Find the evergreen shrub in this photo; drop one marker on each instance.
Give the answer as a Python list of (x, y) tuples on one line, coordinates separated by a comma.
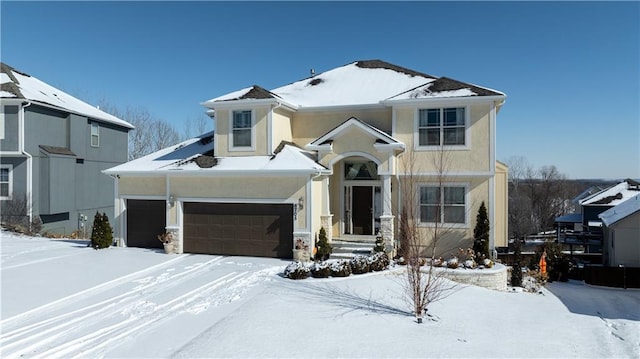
[(102, 233), (296, 270)]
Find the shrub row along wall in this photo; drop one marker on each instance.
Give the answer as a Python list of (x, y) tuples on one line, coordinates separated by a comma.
[(618, 277), (492, 278)]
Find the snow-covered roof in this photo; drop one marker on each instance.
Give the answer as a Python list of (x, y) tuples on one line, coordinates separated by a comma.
[(17, 84), (195, 156), (621, 211), (367, 82), (570, 218), (613, 195)]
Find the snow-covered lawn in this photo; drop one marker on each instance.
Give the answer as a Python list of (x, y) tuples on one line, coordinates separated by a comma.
[(62, 299)]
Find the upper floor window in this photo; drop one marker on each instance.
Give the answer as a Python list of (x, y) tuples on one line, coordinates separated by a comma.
[(442, 127), (95, 135), (242, 129), (6, 179), (445, 204)]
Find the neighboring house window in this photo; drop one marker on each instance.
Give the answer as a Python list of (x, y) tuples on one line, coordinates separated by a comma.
[(442, 127), (95, 135), (6, 181), (446, 204), (242, 129)]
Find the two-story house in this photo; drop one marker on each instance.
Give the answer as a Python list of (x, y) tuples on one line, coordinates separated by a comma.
[(327, 151), (53, 148)]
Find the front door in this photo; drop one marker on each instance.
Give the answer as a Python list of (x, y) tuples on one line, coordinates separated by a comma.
[(362, 207)]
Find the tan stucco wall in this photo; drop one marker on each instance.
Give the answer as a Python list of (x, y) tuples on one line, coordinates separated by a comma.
[(501, 202), (475, 158), (307, 126), (626, 249), (222, 130), (142, 186), (281, 128)]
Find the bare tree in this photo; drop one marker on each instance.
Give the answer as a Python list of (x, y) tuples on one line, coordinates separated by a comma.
[(150, 134), (536, 197), (420, 246), (197, 125)]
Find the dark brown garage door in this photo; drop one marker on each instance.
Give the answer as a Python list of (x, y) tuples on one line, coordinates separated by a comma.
[(145, 220), (259, 230)]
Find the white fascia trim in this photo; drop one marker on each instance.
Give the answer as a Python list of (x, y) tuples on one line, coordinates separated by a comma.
[(230, 173), (449, 174), (389, 147), (12, 154), (325, 148), (375, 133), (340, 108), (442, 101), (247, 103), (235, 200)]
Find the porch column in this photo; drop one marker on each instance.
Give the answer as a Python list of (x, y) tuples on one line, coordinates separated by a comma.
[(326, 219), (386, 220)]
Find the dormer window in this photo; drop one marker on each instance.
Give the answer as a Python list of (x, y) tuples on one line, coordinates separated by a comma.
[(242, 132)]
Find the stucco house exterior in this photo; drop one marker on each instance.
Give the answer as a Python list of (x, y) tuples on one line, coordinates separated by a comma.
[(53, 148), (326, 151), (621, 233)]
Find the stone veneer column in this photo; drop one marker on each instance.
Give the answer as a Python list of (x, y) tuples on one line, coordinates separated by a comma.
[(326, 219), (386, 220)]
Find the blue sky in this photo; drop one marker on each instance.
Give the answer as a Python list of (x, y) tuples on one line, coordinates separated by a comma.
[(570, 70)]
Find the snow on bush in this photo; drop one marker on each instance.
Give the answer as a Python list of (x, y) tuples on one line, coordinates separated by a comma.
[(453, 263), (360, 265), (320, 269), (378, 261), (341, 268), (530, 284), (296, 270)]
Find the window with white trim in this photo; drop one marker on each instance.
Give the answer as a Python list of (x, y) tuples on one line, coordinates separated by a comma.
[(242, 129), (6, 181), (442, 127), (446, 204), (95, 135)]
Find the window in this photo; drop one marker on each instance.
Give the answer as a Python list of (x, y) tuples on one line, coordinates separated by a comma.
[(446, 204), (6, 179), (95, 135), (442, 127), (242, 129)]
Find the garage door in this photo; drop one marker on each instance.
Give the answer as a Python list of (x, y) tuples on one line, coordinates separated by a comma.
[(259, 230), (145, 220)]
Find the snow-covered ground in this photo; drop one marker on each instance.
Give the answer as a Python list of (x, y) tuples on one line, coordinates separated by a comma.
[(62, 299)]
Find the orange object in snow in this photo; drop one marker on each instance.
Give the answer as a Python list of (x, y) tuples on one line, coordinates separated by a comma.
[(543, 263)]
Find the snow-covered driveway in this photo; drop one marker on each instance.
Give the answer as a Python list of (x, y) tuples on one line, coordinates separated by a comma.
[(53, 310)]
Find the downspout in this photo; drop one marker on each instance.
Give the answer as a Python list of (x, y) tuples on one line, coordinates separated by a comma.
[(29, 163)]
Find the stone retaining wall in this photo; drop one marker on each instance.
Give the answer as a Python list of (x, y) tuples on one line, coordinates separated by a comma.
[(492, 278)]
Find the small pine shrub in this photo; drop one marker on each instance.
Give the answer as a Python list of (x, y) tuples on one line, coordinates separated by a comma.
[(102, 233), (320, 270), (296, 270), (323, 246), (341, 268), (379, 247), (378, 261), (481, 233), (360, 265)]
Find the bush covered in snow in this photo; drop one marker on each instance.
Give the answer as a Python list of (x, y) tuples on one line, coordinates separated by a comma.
[(296, 270), (453, 263), (341, 268), (360, 265), (378, 261), (320, 270)]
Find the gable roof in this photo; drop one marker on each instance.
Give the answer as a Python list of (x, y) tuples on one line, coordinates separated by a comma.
[(382, 139), (195, 156), (613, 195), (19, 85), (368, 82), (621, 211)]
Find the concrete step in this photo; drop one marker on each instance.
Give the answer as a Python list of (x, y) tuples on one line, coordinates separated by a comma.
[(346, 248)]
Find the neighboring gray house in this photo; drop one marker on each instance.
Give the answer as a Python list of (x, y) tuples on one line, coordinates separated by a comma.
[(621, 244), (53, 148)]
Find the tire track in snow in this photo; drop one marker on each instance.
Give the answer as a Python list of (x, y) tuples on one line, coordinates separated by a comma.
[(100, 287), (28, 338), (85, 345)]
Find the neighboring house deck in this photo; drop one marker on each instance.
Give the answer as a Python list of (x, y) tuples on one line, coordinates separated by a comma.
[(53, 148), (327, 151)]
